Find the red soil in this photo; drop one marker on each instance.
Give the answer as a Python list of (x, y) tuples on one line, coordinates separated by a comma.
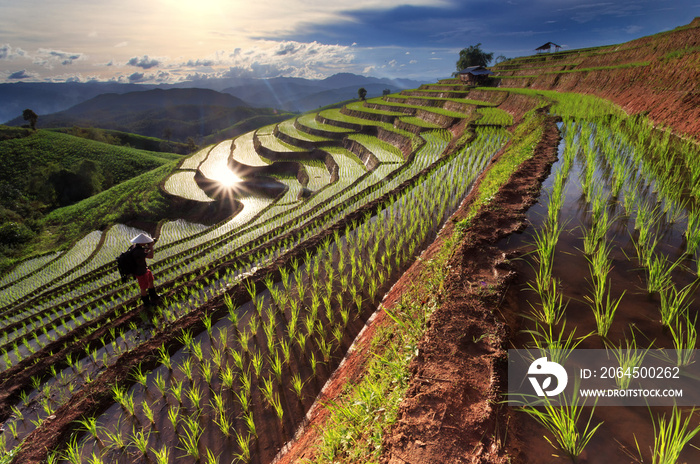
[(666, 89)]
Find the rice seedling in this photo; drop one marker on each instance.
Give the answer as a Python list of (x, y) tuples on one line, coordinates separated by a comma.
[(148, 413), (243, 443), (250, 424), (176, 390), (162, 456), (673, 302), (298, 386), (628, 358), (267, 389), (72, 451), (257, 362), (139, 440), (553, 342), (189, 440), (195, 396), (174, 417), (659, 273), (562, 421), (670, 436), (90, 426), (685, 338)]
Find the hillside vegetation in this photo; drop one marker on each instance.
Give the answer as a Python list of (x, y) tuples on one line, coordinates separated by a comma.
[(658, 75), (44, 170)]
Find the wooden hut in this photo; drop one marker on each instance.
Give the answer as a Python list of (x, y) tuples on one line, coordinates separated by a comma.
[(474, 75), (548, 47)]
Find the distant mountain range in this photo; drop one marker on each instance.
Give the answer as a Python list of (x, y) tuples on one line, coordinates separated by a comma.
[(172, 114), (283, 93)]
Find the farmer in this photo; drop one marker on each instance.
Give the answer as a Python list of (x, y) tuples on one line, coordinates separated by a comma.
[(142, 249)]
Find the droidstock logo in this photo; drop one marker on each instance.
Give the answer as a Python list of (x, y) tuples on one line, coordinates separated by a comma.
[(541, 368)]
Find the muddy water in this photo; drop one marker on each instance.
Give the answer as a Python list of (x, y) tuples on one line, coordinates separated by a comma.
[(626, 432)]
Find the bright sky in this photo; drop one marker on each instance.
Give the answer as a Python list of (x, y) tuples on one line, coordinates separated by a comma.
[(174, 40)]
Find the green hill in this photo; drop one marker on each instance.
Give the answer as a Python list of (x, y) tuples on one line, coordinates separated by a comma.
[(44, 170)]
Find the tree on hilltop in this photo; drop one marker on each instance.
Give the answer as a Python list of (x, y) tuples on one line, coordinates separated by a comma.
[(30, 116), (473, 56), (362, 93)]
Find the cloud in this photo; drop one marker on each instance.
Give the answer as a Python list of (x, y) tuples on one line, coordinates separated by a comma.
[(632, 29), (121, 44), (199, 63), (137, 77), (7, 53), (145, 62), (23, 74), (45, 57)]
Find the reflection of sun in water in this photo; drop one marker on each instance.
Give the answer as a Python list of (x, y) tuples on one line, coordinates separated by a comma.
[(227, 178)]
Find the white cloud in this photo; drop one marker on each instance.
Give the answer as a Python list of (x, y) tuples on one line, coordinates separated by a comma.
[(8, 53)]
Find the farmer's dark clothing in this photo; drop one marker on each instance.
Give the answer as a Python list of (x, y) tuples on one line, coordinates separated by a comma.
[(140, 253)]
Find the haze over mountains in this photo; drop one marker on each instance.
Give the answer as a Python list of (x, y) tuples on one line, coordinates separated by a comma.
[(288, 94)]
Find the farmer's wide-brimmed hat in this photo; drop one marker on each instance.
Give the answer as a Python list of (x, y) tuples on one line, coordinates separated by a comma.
[(141, 239)]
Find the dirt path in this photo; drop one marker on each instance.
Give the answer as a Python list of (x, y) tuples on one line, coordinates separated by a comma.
[(449, 413)]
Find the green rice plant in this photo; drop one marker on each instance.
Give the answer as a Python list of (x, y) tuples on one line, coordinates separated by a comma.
[(671, 436), (659, 273), (186, 369), (237, 358), (628, 358), (562, 421), (148, 413), (673, 302), (257, 361), (206, 371), (115, 439), (276, 366), (162, 455), (196, 351), (173, 417), (685, 338), (164, 358), (18, 413), (139, 439), (277, 406), (298, 386), (692, 233), (140, 377), (243, 398), (189, 440), (250, 424), (243, 443), (195, 397), (72, 451), (90, 426), (211, 458), (267, 389), (94, 459), (246, 383), (226, 376), (604, 311), (176, 390), (552, 306), (552, 341)]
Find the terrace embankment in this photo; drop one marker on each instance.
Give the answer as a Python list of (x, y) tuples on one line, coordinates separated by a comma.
[(656, 75)]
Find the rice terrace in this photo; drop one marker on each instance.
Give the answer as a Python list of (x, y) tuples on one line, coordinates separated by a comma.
[(342, 285)]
